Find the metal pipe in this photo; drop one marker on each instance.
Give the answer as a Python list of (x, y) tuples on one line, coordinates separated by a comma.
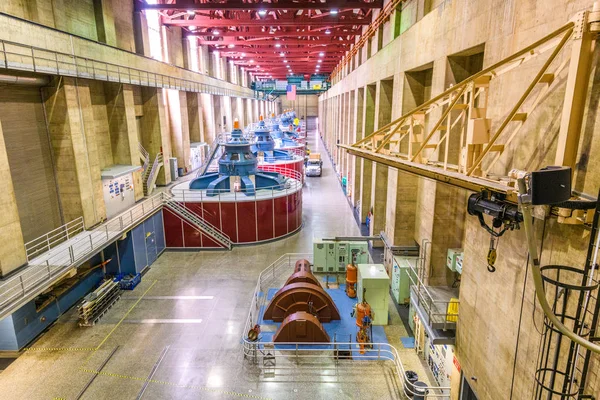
[(24, 80), (537, 274)]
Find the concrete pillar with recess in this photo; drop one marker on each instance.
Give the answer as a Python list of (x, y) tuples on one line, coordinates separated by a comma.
[(12, 251), (179, 127), (71, 125), (120, 108), (155, 130), (195, 116)]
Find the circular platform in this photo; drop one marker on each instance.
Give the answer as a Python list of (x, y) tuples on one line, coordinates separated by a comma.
[(267, 215)]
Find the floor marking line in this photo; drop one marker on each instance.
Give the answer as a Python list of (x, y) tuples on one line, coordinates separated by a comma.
[(89, 383), (179, 385), (60, 349), (164, 321), (125, 316), (152, 372)]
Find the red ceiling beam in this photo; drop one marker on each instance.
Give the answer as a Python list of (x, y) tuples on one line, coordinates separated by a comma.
[(281, 34), (267, 42), (295, 22), (239, 5)]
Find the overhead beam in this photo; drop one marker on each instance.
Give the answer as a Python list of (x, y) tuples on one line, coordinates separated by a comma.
[(438, 174), (258, 32), (268, 42), (219, 23), (280, 5)]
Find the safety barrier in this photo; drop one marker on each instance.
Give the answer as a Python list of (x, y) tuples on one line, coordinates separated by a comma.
[(258, 352), (53, 238), (24, 57)]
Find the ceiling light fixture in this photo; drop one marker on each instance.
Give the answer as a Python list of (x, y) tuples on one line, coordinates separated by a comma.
[(328, 32), (277, 45), (318, 61), (231, 46), (281, 54), (191, 12), (243, 54), (321, 54), (285, 61), (251, 61), (216, 32), (262, 12), (333, 12)]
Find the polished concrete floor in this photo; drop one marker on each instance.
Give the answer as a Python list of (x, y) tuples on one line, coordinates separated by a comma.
[(177, 335)]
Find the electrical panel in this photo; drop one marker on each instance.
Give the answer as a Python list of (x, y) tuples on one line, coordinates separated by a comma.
[(400, 278), (459, 263), (332, 257), (374, 284), (451, 258), (440, 361), (118, 194)]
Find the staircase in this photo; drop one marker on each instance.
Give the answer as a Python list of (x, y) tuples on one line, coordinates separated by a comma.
[(212, 152), (150, 174), (144, 156), (197, 222)]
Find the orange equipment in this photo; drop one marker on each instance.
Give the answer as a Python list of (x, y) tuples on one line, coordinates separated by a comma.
[(351, 279), (364, 318), (362, 309)]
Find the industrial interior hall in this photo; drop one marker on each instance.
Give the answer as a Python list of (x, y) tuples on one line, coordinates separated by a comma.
[(300, 199)]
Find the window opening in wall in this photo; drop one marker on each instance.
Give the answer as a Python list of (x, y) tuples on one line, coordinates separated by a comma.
[(417, 87), (464, 64), (380, 37)]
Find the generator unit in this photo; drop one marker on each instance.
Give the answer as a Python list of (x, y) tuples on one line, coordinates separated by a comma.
[(451, 259), (332, 256)]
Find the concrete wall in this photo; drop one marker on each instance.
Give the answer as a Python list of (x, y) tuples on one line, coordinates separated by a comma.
[(497, 342), (304, 105)]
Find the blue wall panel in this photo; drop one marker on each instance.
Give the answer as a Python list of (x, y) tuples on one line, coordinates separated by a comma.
[(8, 338), (126, 255), (159, 232), (110, 252), (139, 247)]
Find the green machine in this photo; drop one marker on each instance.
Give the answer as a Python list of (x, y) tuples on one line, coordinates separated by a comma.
[(374, 284), (332, 256), (404, 268)]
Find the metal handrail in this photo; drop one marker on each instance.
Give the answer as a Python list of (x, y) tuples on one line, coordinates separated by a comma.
[(23, 57), (146, 156), (147, 180), (275, 274), (202, 224), (49, 267), (53, 238), (293, 183), (433, 308)]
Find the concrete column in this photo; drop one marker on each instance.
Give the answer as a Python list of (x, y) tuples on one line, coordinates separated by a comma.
[(195, 117), (208, 117), (120, 108), (366, 176), (358, 106), (105, 22), (218, 114), (179, 127), (12, 251), (140, 32), (70, 122), (155, 130), (379, 191)]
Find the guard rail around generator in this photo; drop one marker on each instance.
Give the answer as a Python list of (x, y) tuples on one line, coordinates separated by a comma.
[(292, 184), (274, 276)]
